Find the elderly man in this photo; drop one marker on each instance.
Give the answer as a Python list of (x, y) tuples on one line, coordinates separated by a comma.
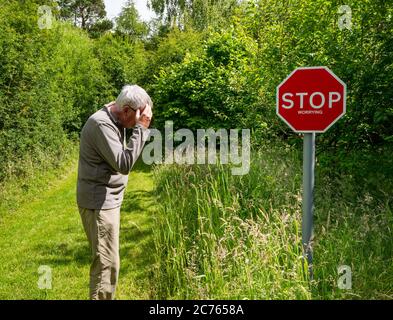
[(105, 159)]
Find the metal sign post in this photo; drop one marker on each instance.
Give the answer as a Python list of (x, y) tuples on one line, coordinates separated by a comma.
[(310, 100), (308, 197)]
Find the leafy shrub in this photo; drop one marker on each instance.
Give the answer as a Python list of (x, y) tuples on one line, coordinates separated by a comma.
[(123, 61), (50, 82), (211, 88)]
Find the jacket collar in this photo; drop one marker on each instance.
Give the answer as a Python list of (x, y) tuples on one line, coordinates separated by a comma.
[(111, 115)]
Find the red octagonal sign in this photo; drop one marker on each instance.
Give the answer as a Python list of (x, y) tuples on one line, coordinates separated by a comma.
[(311, 99)]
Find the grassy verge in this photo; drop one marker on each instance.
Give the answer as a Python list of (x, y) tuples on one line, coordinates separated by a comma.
[(221, 236), (35, 178), (353, 225), (231, 237)]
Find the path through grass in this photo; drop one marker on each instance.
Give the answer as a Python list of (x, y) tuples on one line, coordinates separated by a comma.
[(48, 231)]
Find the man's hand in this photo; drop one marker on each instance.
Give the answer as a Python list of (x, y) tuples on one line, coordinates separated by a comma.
[(144, 118)]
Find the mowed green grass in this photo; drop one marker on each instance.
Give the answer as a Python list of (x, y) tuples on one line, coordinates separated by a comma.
[(47, 231)]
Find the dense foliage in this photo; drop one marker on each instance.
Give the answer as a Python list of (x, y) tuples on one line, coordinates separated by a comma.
[(236, 76), (222, 76), (50, 80)]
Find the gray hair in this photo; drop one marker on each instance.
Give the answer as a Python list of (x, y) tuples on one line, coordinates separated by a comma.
[(133, 96)]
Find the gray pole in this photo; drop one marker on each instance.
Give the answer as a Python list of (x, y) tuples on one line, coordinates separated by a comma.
[(308, 197)]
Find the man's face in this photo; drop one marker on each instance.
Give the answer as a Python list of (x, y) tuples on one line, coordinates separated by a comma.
[(128, 117)]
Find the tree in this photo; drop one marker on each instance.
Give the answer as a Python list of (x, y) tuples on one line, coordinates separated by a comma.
[(197, 13), (84, 13), (100, 27), (128, 22), (170, 10)]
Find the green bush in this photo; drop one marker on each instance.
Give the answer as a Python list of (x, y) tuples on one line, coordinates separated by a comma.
[(210, 88), (306, 33), (123, 61), (240, 67), (50, 82)]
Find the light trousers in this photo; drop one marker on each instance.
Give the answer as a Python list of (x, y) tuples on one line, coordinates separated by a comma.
[(102, 228)]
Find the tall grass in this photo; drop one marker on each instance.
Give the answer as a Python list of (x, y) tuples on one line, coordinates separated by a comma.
[(220, 236), (224, 236), (354, 223)]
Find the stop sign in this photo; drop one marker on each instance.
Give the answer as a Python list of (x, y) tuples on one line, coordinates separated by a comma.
[(311, 99)]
